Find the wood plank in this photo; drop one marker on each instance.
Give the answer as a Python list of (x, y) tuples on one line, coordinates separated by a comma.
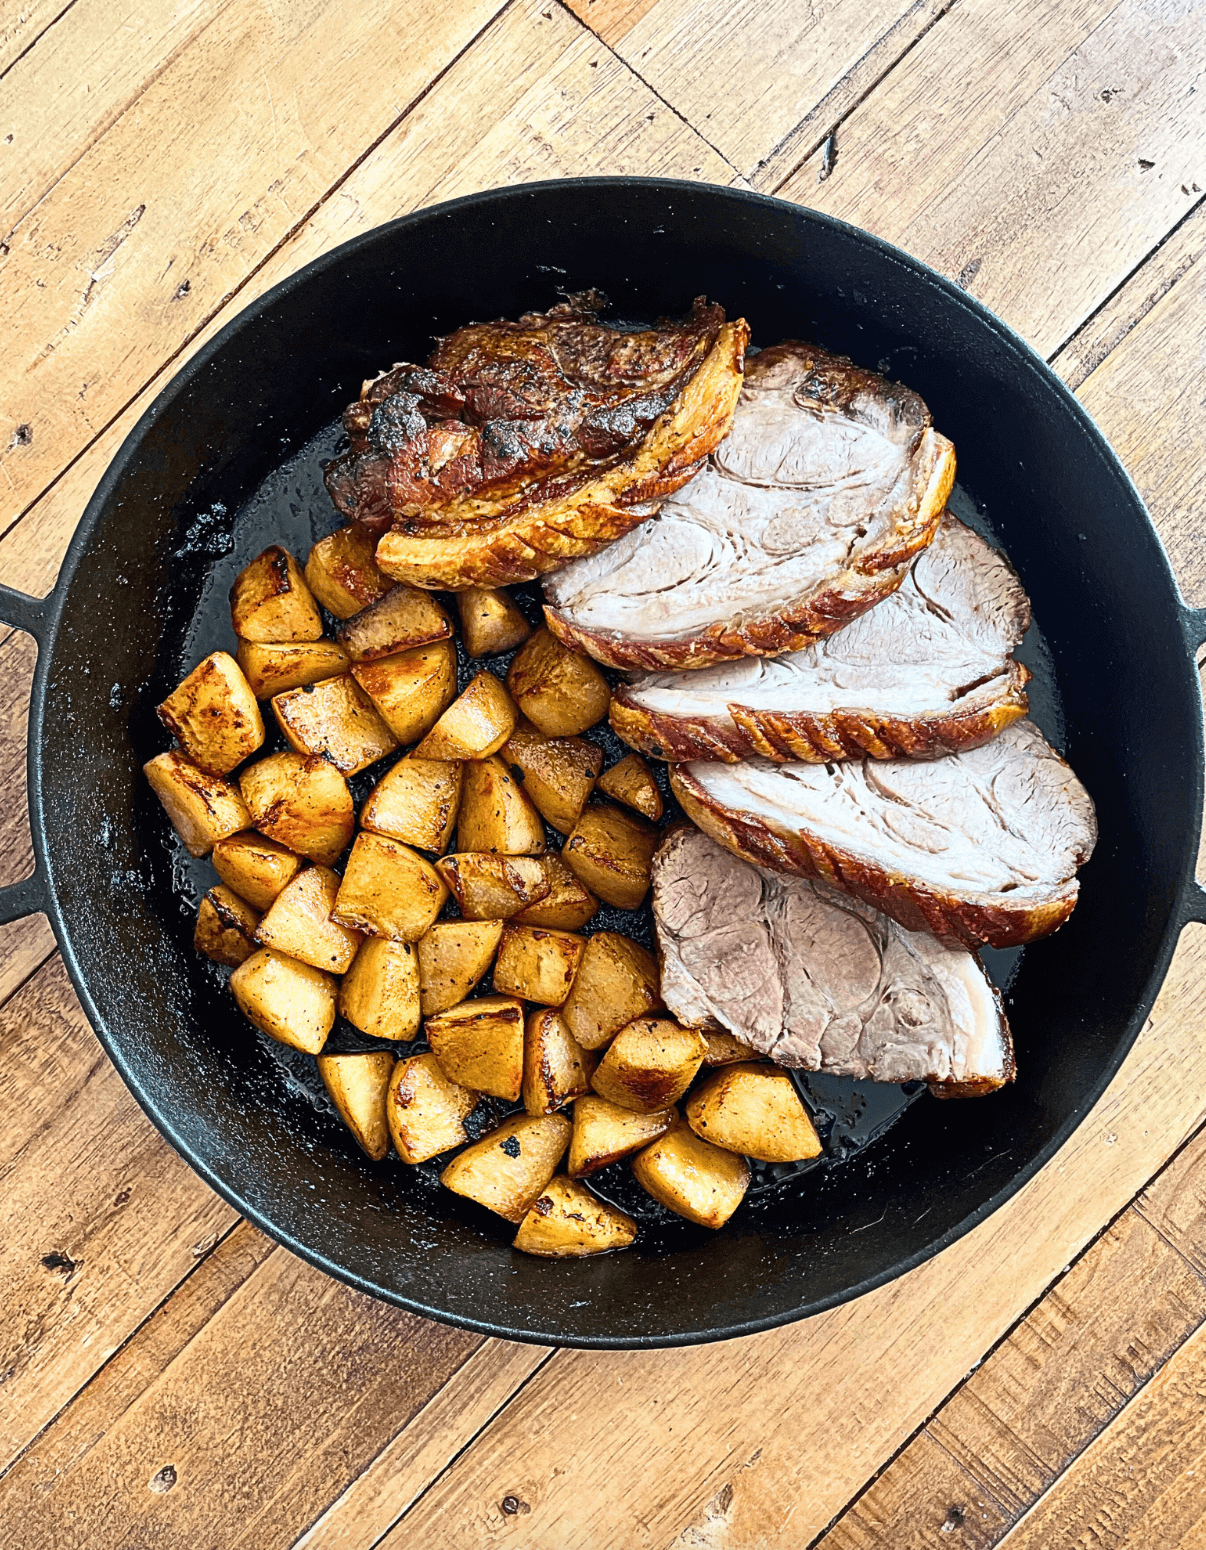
[(49, 1053), (18, 653), (24, 946), (21, 26), (1175, 1203)]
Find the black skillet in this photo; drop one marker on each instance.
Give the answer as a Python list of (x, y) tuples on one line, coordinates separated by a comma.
[(142, 585)]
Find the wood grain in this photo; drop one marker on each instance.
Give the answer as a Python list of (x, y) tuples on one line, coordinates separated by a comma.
[(24, 946), (18, 653), (1175, 1203), (22, 25)]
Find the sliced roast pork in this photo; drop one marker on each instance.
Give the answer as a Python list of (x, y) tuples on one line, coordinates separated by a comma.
[(828, 484), (982, 846), (818, 980), (926, 672)]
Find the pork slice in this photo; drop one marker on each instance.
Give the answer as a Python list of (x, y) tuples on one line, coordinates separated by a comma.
[(982, 846), (829, 482), (827, 983)]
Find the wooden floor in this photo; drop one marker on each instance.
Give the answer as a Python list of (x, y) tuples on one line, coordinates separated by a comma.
[(170, 1378)]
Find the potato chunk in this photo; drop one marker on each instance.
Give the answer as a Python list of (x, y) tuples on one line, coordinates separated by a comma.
[(649, 1064), (271, 669), (495, 814), (403, 619), (357, 1085), (617, 982), (412, 690), (389, 890), (203, 808), (555, 1066), (567, 905), (424, 1110), (336, 719), (567, 1221), (560, 692), (537, 965), (225, 928), (213, 715), (507, 1169), (270, 600), (380, 992), (754, 1109), (453, 956), (490, 622), (286, 999), (480, 1045), (416, 801), (302, 803), (255, 867), (631, 782), (475, 725), (611, 853), (700, 1181), (604, 1133), (725, 1048), (489, 887), (342, 573), (558, 773), (299, 923)]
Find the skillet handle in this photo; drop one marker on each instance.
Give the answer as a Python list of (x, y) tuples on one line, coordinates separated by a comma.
[(28, 614)]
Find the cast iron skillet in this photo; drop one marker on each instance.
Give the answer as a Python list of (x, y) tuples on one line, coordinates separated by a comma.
[(112, 635)]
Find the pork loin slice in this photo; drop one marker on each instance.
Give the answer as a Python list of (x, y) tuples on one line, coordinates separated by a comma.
[(982, 846), (828, 484), (819, 980), (926, 672)]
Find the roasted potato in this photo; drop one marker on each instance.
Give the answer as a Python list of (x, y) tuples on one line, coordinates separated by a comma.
[(555, 1066), (475, 725), (558, 773), (271, 602), (380, 992), (560, 692), (271, 669), (286, 999), (480, 1045), (337, 719), (566, 1220), (604, 1133), (490, 622), (700, 1181), (725, 1048), (649, 1064), (213, 715), (416, 801), (756, 1110), (495, 815), (403, 619), (631, 782), (617, 982), (225, 928), (453, 956), (489, 887), (302, 803), (507, 1169), (298, 923), (412, 690), (203, 808), (255, 867), (567, 905), (388, 890), (425, 1111), (357, 1085), (342, 571), (611, 853), (537, 965)]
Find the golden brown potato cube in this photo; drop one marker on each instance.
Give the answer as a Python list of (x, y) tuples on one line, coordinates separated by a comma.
[(754, 1109), (403, 619), (611, 853), (342, 571), (649, 1064), (255, 867), (357, 1085), (453, 956), (631, 782), (425, 1111), (489, 887), (558, 773), (536, 964), (567, 1221), (490, 622), (270, 600), (495, 815), (700, 1181), (203, 808), (555, 1066), (389, 890), (507, 1169), (411, 690), (299, 924), (225, 928), (617, 982), (725, 1048), (416, 801), (604, 1133), (285, 999), (213, 715), (271, 669), (380, 992), (560, 692), (475, 725), (302, 803), (480, 1045), (566, 907), (337, 719)]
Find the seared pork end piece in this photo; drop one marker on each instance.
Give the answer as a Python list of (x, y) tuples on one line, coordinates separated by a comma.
[(981, 847), (800, 972), (811, 509)]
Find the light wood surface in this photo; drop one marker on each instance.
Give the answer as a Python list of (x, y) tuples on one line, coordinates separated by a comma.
[(168, 1376)]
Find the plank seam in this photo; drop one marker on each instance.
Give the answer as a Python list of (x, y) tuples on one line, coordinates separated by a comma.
[(54, 20), (37, 969)]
